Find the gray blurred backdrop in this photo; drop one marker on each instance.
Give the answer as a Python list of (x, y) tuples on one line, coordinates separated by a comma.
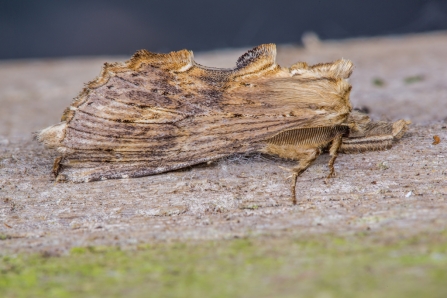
[(55, 28)]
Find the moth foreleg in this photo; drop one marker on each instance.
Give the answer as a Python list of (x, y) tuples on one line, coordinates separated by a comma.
[(333, 152), (57, 166), (305, 144), (306, 158)]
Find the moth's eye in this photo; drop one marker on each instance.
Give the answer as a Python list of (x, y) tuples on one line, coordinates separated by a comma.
[(313, 107)]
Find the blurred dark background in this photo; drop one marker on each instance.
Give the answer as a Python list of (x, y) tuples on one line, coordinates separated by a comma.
[(54, 28)]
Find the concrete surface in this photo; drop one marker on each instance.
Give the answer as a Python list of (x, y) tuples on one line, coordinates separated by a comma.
[(400, 191)]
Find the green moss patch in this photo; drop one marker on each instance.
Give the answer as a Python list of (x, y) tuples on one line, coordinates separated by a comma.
[(283, 266)]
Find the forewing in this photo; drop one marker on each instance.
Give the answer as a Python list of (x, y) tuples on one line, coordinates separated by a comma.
[(160, 112)]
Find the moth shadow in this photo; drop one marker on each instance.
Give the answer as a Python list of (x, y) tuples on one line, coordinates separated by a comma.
[(252, 158)]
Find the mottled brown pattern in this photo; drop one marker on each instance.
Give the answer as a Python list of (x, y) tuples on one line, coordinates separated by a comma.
[(161, 112)]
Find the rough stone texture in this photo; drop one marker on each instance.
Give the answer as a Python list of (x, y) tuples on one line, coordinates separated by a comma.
[(401, 191)]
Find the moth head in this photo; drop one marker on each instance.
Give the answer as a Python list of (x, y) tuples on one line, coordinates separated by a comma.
[(356, 121)]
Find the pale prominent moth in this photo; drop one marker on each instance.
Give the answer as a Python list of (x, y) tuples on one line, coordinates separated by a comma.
[(161, 112)]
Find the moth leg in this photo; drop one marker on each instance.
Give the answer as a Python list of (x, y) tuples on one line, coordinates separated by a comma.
[(333, 152), (306, 160), (57, 166), (305, 145)]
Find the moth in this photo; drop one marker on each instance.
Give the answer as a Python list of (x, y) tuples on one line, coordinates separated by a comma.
[(161, 112)]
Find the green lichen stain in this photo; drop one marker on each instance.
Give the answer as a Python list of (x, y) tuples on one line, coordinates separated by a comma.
[(414, 79), (378, 82), (361, 265), (4, 237)]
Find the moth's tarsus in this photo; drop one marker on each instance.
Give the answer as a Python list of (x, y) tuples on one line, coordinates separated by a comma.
[(306, 158), (57, 166), (333, 151), (161, 112)]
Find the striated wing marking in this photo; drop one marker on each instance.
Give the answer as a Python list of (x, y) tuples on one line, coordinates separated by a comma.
[(307, 136), (124, 137), (119, 112), (249, 127), (109, 128), (80, 136), (82, 140), (95, 125)]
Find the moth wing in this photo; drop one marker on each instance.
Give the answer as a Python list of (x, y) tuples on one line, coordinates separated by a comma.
[(149, 115), (160, 112)]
